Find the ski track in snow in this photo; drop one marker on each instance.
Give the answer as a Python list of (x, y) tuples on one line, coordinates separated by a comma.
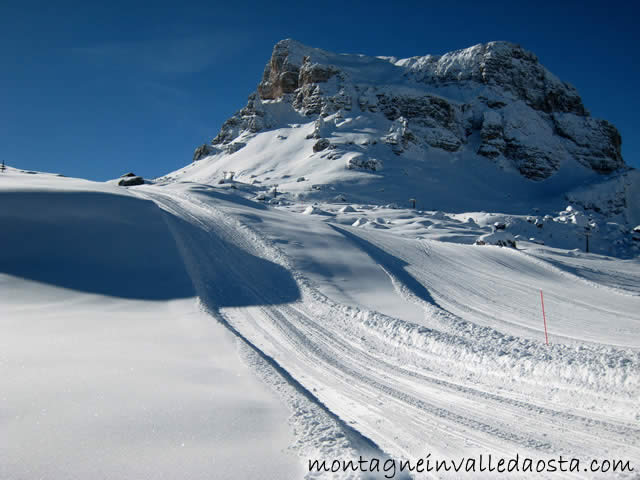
[(471, 378)]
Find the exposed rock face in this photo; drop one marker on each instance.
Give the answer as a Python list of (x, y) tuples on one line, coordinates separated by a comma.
[(399, 135), (280, 75), (594, 142), (251, 119), (202, 151), (315, 73), (321, 144), (492, 134), (611, 197), (438, 121), (364, 163), (492, 101), (504, 65)]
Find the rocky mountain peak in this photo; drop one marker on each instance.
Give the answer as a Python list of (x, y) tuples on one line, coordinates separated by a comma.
[(503, 65), (491, 103), (292, 66)]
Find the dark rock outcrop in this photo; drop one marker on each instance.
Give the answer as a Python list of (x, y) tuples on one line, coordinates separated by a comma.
[(594, 143), (321, 144), (202, 151), (131, 181), (364, 163)]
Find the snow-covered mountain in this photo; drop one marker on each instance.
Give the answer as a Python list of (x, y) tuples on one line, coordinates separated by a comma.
[(487, 127)]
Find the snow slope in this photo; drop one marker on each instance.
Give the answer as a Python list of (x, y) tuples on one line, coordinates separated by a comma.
[(421, 344), (108, 366), (104, 387), (377, 339)]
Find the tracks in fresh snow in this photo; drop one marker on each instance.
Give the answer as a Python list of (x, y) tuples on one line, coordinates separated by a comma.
[(448, 386)]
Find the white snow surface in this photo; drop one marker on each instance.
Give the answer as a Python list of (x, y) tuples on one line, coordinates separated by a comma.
[(182, 330), (109, 367)]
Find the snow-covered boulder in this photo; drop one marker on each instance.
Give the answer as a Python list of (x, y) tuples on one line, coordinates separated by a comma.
[(347, 209), (499, 226), (131, 181), (500, 238), (313, 210)]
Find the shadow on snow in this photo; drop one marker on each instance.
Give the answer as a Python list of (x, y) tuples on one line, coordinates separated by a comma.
[(393, 265), (120, 246)]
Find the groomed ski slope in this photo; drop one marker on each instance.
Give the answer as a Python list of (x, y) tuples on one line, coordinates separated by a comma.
[(374, 344), (421, 346)]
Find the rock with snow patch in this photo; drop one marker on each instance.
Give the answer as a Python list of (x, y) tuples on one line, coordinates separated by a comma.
[(321, 144), (131, 181), (313, 210), (499, 226), (500, 238), (202, 151), (364, 163)]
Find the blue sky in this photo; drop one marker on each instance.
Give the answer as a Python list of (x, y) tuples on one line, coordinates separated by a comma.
[(95, 89)]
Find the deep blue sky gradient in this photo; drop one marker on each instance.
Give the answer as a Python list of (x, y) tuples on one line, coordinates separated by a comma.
[(95, 89)]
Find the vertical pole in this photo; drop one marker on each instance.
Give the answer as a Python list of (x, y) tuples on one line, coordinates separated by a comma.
[(587, 235), (544, 319)]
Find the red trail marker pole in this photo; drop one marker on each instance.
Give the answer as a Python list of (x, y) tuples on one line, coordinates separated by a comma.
[(544, 319)]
